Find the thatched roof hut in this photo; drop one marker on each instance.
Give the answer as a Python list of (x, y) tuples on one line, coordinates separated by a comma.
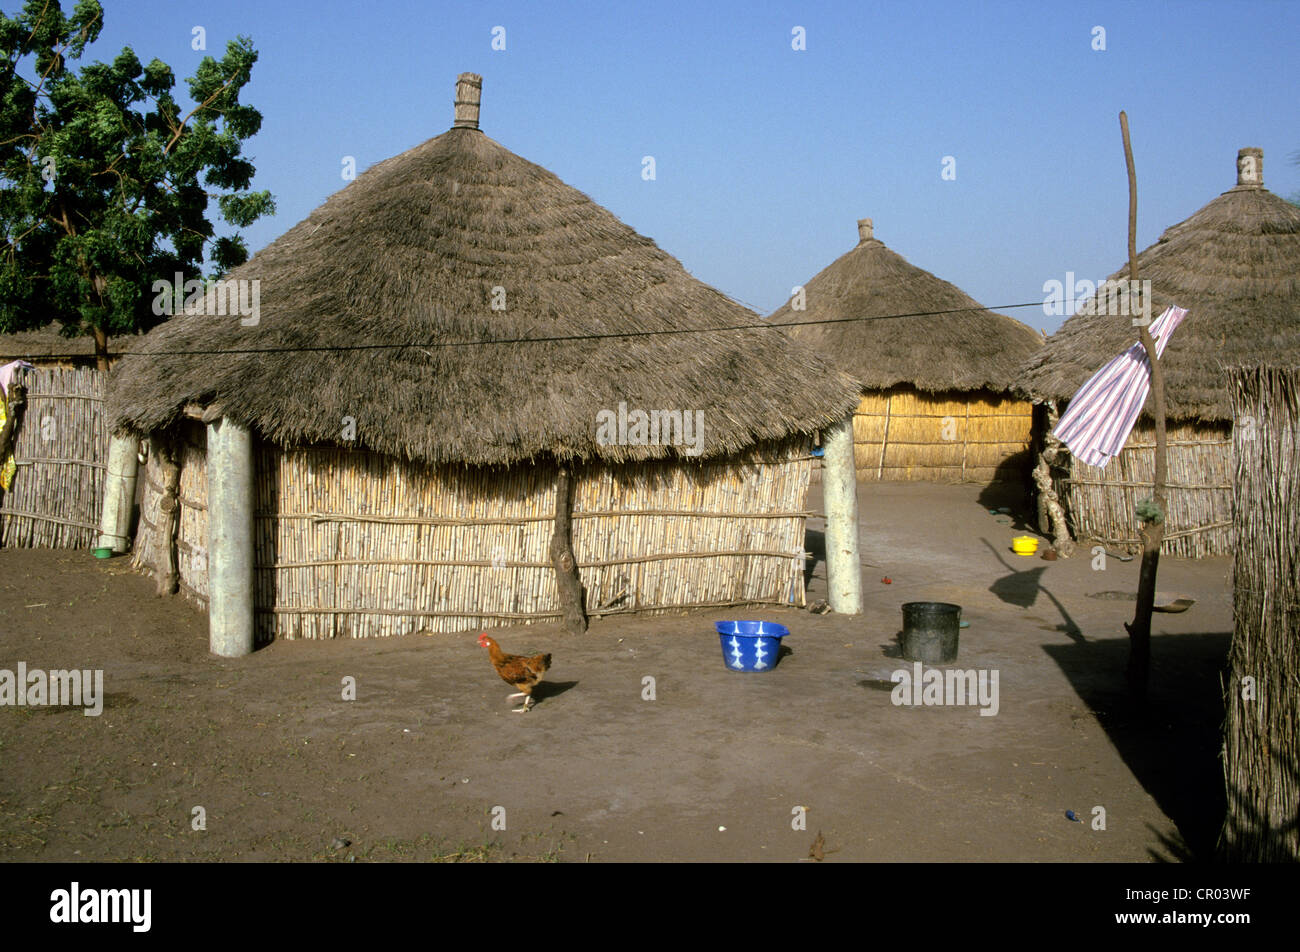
[(1235, 266), (935, 403), (430, 342), (392, 281)]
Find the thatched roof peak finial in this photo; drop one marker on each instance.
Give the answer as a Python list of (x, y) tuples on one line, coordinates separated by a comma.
[(469, 91), (864, 230), (1250, 167)]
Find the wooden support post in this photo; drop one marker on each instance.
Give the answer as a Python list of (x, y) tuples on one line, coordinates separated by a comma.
[(169, 506), (119, 493), (568, 583), (884, 439), (1153, 530), (1051, 517), (230, 539), (840, 496)]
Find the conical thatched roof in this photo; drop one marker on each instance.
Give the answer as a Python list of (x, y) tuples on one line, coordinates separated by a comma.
[(410, 253), (968, 349), (1235, 266)]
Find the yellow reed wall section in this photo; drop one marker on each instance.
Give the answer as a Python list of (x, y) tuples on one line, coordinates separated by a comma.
[(1199, 494), (62, 456), (350, 544), (903, 434)]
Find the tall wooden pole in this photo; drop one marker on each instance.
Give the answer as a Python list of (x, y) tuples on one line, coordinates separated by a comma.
[(1051, 517), (568, 583), (1153, 530), (840, 495), (167, 455), (230, 539)]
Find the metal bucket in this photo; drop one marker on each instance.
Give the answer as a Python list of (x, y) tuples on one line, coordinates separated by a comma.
[(930, 631)]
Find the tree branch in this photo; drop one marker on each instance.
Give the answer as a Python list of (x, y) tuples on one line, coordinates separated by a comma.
[(203, 105)]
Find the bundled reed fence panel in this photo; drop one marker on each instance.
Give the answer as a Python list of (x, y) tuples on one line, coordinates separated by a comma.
[(1261, 747), (61, 454), (353, 544), (906, 434), (667, 535), (1100, 502)]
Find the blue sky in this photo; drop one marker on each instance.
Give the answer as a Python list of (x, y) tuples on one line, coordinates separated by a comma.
[(766, 156)]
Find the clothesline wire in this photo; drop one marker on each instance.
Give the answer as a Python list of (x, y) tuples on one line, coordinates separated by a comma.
[(562, 338)]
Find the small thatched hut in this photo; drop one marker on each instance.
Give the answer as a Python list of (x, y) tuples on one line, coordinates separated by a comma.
[(1261, 733), (936, 403), (1235, 267), (439, 346), (60, 445)]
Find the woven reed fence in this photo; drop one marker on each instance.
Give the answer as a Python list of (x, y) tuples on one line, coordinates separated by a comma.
[(1261, 746), (903, 434), (351, 544), (1099, 502), (62, 454)]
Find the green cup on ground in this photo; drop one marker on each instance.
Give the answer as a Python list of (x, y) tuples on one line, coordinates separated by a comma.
[(103, 553)]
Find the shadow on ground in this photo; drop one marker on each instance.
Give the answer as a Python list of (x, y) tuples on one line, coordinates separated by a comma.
[(1173, 745), (814, 541), (1021, 587)]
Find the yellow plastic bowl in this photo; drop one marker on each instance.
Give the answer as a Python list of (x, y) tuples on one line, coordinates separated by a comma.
[(1024, 545)]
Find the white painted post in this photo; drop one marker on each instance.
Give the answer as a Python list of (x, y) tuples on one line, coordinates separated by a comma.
[(230, 539), (119, 493), (840, 494)]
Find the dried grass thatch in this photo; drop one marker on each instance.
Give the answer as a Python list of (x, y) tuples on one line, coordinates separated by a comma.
[(1261, 756), (410, 253), (968, 349), (1235, 266)]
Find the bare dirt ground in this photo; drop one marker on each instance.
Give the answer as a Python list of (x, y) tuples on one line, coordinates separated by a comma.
[(711, 769)]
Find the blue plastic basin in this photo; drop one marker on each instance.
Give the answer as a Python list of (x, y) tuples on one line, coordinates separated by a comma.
[(750, 645)]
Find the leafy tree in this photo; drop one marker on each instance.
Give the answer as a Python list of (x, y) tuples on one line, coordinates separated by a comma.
[(106, 180)]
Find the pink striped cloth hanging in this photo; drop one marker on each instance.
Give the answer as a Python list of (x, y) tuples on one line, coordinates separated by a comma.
[(1099, 419)]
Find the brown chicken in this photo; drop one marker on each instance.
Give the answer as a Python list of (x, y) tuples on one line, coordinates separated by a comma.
[(518, 671)]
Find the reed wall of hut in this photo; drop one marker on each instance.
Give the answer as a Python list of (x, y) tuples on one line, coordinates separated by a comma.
[(61, 456), (1099, 503), (355, 544), (950, 437), (1261, 754)]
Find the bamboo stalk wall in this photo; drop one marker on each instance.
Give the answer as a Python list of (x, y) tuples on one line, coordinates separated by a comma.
[(352, 544), (1261, 747), (904, 434), (1099, 502), (62, 456)]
